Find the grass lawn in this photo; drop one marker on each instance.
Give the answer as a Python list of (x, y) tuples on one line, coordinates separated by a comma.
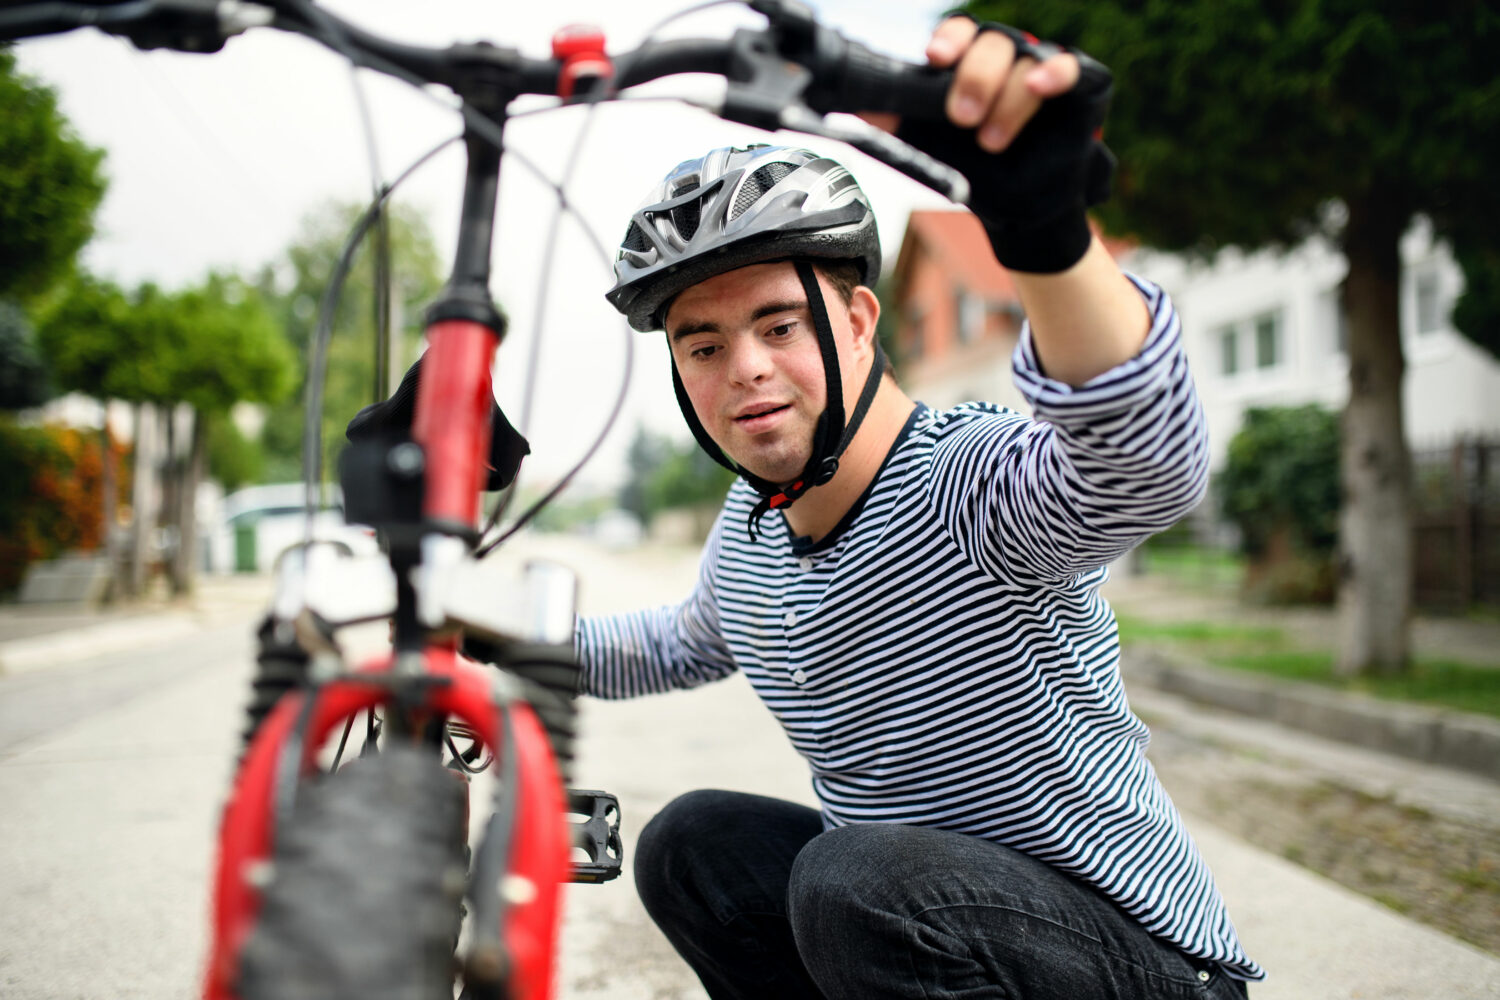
[(1266, 650), (1195, 565)]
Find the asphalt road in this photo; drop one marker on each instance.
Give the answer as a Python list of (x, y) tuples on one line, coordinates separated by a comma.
[(112, 771)]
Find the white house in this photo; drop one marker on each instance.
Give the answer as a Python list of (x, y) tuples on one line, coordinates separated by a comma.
[(1261, 329), (1265, 329)]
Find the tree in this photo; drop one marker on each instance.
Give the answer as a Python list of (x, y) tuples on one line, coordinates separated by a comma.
[(646, 454), (1241, 123), (24, 381), (664, 474), (219, 345), (294, 293), (233, 459), (206, 347), (51, 183), (91, 346)]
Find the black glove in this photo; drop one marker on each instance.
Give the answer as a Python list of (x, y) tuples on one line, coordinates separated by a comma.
[(393, 418), (1032, 196)]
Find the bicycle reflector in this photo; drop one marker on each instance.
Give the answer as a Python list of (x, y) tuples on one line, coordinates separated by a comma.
[(581, 49)]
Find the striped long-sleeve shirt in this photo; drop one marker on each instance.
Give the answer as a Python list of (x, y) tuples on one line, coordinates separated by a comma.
[(943, 658)]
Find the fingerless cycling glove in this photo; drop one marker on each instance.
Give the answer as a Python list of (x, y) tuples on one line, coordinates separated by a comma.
[(1032, 196)]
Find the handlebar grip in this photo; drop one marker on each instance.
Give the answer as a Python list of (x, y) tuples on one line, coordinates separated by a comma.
[(871, 81)]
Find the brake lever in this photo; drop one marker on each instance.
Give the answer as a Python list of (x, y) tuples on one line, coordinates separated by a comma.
[(881, 145), (768, 90)]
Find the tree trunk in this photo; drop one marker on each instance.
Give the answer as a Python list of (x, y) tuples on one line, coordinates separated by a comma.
[(171, 489), (142, 480), (108, 489), (1375, 523), (184, 560)]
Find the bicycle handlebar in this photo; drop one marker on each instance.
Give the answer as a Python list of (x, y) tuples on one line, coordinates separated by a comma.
[(787, 75)]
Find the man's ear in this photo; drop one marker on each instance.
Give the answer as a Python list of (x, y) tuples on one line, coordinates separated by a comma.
[(864, 315)]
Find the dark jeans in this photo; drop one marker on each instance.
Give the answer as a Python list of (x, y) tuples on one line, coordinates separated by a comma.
[(763, 904)]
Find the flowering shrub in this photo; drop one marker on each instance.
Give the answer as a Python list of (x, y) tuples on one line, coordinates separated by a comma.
[(51, 495)]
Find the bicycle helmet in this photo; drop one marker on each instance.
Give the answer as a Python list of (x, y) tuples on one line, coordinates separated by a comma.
[(735, 207)]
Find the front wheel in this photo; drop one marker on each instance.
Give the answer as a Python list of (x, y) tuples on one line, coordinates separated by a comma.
[(367, 878)]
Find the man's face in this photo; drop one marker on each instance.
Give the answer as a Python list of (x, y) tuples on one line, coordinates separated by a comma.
[(748, 355)]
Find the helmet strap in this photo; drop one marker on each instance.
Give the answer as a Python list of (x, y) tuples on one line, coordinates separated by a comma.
[(830, 437)]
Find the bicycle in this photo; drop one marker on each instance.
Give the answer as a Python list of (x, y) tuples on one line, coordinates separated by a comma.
[(353, 883)]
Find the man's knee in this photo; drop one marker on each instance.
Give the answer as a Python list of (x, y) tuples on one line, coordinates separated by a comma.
[(848, 873)]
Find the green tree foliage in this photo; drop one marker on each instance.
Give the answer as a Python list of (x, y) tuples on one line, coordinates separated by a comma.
[(1280, 486), (51, 183), (1281, 477), (234, 460), (24, 381), (665, 474), (209, 346), (94, 343), (646, 454), (1237, 122), (220, 345), (295, 289)]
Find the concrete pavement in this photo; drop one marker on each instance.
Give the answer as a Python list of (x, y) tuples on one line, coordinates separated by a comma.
[(1317, 939)]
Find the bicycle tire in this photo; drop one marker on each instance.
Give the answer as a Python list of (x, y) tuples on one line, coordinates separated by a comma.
[(366, 887)]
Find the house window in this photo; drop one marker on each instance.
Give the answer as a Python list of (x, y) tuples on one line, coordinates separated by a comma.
[(1268, 341), (1430, 318), (1229, 351), (1255, 344)]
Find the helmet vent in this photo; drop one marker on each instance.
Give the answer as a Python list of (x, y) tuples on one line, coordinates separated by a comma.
[(758, 184), (685, 218), (636, 240)]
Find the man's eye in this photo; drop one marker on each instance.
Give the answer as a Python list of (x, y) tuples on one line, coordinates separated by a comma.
[(782, 330), (704, 352)]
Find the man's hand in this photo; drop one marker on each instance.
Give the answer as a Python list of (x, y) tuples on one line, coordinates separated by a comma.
[(1023, 126), (994, 91)]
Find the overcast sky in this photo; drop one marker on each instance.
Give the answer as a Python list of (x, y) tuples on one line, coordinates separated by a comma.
[(214, 160)]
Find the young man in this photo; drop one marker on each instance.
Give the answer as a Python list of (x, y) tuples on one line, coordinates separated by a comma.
[(914, 593)]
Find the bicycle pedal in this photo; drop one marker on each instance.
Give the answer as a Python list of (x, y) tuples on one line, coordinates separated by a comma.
[(597, 835)]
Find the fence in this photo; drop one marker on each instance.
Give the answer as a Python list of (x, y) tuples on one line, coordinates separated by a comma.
[(1456, 525)]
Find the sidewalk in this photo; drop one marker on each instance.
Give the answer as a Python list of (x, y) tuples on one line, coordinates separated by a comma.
[(38, 636)]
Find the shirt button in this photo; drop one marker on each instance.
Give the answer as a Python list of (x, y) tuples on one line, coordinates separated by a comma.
[(805, 563), (799, 676), (789, 619)]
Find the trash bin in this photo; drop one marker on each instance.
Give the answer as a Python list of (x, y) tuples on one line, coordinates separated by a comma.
[(244, 546)]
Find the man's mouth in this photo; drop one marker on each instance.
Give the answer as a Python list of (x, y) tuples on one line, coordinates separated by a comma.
[(761, 411)]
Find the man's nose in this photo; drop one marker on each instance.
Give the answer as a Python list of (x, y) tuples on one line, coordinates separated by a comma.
[(749, 362)]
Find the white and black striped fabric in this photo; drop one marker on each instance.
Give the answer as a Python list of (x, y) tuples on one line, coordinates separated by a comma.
[(944, 658)]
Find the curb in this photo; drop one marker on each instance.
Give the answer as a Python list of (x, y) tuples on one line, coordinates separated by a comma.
[(1445, 737)]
